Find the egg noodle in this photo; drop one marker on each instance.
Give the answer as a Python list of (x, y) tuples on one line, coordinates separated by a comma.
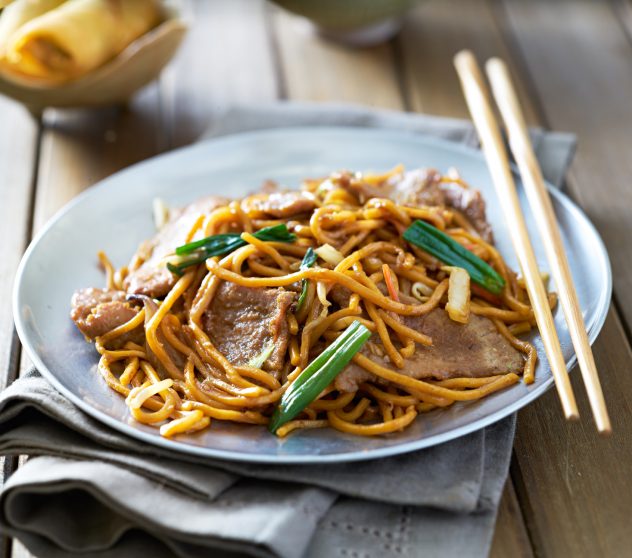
[(366, 239)]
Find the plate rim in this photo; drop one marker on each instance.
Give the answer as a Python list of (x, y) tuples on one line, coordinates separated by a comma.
[(603, 305)]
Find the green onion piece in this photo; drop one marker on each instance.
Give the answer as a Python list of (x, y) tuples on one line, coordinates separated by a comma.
[(215, 242), (319, 374), (275, 233), (308, 261), (259, 360), (177, 264), (174, 269), (198, 251), (450, 252)]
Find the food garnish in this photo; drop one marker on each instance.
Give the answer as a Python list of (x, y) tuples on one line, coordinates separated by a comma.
[(308, 261), (199, 251), (450, 252), (319, 374)]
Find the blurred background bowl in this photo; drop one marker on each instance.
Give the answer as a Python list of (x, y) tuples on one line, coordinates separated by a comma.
[(354, 22), (114, 82)]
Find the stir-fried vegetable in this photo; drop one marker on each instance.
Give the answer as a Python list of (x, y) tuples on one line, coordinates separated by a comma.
[(328, 253), (160, 212), (308, 261), (197, 252), (485, 295), (458, 306), (450, 252), (319, 374), (391, 282), (259, 360)]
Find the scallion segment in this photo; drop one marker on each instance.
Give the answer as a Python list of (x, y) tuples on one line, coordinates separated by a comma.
[(198, 251), (308, 261), (319, 374), (450, 252), (259, 360)]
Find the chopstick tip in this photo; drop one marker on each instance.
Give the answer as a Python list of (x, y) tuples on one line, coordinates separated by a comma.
[(572, 416), (603, 426), (495, 61), (464, 56)]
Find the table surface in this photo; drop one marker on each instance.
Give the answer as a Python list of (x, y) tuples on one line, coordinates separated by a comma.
[(568, 493)]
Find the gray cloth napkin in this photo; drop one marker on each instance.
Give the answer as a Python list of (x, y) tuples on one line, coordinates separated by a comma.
[(554, 150), (90, 491)]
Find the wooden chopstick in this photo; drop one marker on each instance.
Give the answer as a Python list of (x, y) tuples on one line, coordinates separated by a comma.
[(540, 202), (494, 150)]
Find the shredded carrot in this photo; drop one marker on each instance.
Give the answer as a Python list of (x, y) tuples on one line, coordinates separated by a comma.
[(391, 282), (480, 292)]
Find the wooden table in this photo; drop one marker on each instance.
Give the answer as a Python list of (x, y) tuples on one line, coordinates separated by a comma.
[(569, 491)]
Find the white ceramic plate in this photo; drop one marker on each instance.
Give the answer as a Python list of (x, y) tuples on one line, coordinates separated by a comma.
[(115, 215)]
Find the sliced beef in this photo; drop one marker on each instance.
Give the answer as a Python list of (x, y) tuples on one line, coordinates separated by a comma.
[(470, 202), (353, 376), (475, 349), (268, 187), (96, 311), (360, 189), (423, 187), (242, 322), (153, 278), (413, 188), (280, 205), (339, 295), (417, 187)]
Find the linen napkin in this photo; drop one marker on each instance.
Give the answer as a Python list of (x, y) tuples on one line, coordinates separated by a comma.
[(90, 491)]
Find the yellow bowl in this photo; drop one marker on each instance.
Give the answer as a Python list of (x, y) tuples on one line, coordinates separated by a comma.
[(114, 82)]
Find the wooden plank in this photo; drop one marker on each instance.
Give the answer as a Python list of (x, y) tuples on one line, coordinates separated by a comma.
[(510, 537), (18, 143), (568, 480), (18, 156), (81, 147), (18, 153), (573, 484), (314, 69), (226, 59), (431, 36), (587, 60)]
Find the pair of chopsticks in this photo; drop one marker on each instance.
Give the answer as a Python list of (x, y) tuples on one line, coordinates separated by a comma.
[(480, 107)]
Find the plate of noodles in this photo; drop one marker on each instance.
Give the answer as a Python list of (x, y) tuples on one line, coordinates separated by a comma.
[(297, 295)]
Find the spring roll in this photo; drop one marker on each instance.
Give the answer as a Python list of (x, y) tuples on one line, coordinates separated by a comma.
[(20, 12), (78, 36)]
